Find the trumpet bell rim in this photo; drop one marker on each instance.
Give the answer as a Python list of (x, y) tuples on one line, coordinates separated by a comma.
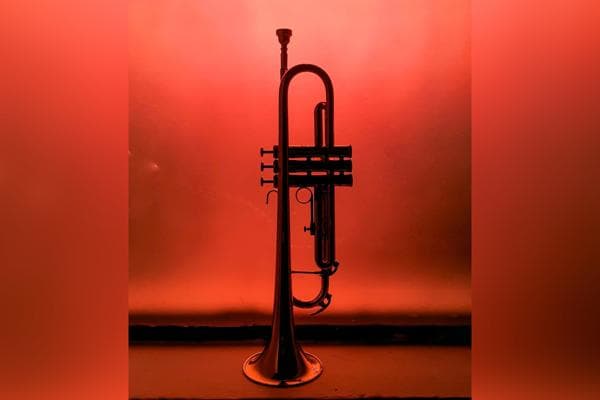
[(311, 371)]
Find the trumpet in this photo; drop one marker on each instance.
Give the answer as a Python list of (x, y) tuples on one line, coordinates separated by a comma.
[(317, 170)]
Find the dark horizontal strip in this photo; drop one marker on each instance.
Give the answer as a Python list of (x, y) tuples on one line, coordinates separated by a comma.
[(328, 398), (249, 317), (457, 335)]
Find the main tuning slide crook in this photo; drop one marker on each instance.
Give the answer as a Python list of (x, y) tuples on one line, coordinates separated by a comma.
[(323, 304)]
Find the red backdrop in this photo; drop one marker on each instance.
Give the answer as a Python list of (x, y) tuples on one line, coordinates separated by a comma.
[(203, 99)]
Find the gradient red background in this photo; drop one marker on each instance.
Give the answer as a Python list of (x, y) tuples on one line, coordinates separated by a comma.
[(63, 200), (536, 199), (203, 99), (530, 294)]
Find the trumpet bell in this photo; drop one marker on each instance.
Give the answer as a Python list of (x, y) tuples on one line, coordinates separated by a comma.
[(259, 369)]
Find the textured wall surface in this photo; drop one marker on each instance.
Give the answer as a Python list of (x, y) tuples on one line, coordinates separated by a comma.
[(203, 99)]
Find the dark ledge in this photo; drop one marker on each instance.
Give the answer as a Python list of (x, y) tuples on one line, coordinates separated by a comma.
[(329, 398), (437, 335), (259, 318)]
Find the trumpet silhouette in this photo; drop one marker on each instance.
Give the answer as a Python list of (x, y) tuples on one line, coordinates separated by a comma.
[(316, 169)]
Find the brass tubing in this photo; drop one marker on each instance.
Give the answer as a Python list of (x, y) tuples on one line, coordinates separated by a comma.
[(312, 180), (314, 166), (309, 151)]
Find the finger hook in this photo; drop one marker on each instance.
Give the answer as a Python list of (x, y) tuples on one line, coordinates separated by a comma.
[(268, 193)]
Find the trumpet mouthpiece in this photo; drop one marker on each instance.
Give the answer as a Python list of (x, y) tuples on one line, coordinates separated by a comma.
[(284, 35)]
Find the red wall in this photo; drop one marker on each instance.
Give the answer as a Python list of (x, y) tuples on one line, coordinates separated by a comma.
[(203, 99)]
